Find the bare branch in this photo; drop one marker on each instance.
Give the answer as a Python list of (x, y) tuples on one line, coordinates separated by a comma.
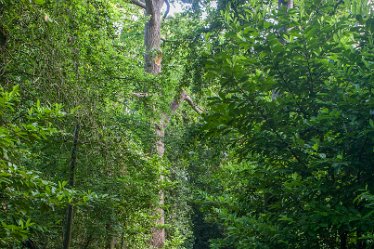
[(177, 41), (167, 9), (174, 106), (184, 97), (139, 3), (193, 105)]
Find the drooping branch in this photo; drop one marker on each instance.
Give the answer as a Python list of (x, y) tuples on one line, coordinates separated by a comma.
[(139, 3)]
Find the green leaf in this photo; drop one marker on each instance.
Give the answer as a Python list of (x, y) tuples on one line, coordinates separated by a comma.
[(40, 2)]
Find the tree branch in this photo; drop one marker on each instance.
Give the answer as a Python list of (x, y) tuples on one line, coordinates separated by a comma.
[(173, 107), (167, 9), (184, 97), (150, 7), (141, 95), (192, 104), (139, 3)]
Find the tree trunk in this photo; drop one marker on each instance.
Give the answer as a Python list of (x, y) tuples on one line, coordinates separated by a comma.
[(68, 226), (152, 37), (153, 59), (343, 240), (70, 210), (158, 233), (110, 238)]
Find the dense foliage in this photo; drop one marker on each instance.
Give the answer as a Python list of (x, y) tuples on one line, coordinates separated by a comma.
[(70, 53), (266, 114), (296, 99)]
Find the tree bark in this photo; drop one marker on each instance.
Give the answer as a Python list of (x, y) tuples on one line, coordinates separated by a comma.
[(152, 65), (70, 210), (152, 37)]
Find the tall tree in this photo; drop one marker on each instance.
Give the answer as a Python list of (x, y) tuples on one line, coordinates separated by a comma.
[(152, 65), (152, 62)]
